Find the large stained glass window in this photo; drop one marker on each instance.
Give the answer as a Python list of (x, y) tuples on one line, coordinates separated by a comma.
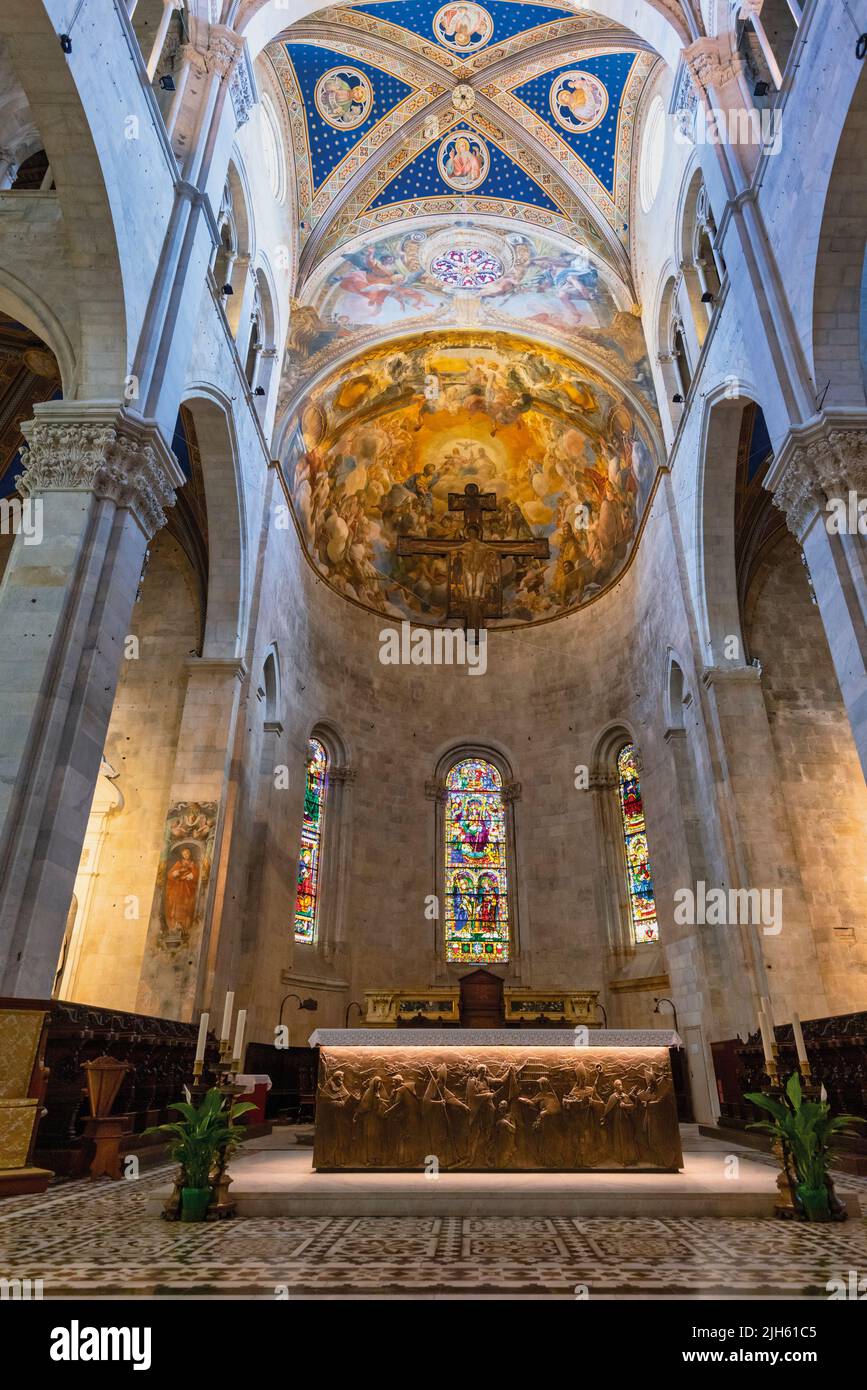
[(307, 888), (477, 898), (642, 904)]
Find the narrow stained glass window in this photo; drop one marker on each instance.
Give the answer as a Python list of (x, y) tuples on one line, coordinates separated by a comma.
[(477, 898), (642, 904), (307, 889)]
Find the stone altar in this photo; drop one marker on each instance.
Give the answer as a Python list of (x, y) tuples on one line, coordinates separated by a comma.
[(496, 1100)]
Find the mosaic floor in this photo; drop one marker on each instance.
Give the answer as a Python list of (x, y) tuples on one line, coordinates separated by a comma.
[(93, 1240)]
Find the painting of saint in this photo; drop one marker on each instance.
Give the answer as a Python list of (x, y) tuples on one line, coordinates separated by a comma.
[(463, 161), (181, 891), (463, 27), (343, 98), (463, 903), (578, 101), (488, 899)]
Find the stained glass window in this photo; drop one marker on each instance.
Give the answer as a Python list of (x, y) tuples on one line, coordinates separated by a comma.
[(307, 887), (477, 899), (642, 904)]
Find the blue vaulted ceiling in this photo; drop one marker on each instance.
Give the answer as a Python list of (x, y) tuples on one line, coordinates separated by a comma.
[(329, 146), (597, 148), (421, 178)]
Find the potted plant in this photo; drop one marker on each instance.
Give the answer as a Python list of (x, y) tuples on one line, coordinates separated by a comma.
[(198, 1138), (805, 1129)]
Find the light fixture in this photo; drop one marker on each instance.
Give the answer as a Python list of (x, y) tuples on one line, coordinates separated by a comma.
[(227, 289), (707, 297), (761, 89), (677, 398), (66, 43), (167, 82), (259, 391)]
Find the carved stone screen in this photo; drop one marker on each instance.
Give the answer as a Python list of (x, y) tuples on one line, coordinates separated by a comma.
[(496, 1108)]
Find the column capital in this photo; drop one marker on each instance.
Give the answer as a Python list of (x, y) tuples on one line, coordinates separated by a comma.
[(341, 772), (824, 459), (711, 64), (73, 447)]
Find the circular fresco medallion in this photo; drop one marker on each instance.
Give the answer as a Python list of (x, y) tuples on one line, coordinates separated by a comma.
[(466, 268), (578, 101), (463, 26), (343, 97), (463, 160)]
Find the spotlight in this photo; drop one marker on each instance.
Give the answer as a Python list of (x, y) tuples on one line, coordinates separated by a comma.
[(227, 289), (167, 82), (66, 43), (259, 391), (677, 398), (761, 89), (707, 297)]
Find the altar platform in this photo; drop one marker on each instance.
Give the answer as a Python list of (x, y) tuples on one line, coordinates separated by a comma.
[(274, 1176)]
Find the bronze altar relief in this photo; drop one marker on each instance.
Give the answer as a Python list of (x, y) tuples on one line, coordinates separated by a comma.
[(496, 1108)]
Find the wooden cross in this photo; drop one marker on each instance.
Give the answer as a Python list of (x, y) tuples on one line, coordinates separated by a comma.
[(475, 586)]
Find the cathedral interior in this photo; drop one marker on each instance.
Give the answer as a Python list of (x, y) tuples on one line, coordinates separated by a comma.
[(432, 555)]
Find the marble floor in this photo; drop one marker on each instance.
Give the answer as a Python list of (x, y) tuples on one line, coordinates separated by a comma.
[(96, 1240)]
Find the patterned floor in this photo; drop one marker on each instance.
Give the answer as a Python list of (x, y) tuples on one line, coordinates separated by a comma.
[(94, 1240)]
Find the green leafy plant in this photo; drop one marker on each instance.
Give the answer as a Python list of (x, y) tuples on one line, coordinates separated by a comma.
[(806, 1127), (201, 1133)]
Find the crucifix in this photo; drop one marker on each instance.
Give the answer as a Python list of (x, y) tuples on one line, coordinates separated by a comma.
[(475, 590)]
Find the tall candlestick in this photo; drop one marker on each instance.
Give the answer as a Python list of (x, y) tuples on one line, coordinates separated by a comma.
[(202, 1038), (239, 1035), (227, 1016), (765, 1008), (799, 1041), (767, 1036)]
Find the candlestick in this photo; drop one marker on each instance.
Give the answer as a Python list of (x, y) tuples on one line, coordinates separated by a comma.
[(765, 1008), (803, 1059), (767, 1036), (239, 1036), (227, 1016), (202, 1038)]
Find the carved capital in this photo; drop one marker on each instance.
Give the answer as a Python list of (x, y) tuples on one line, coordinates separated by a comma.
[(711, 63), (436, 791), (601, 781), (119, 459), (511, 792), (817, 463), (224, 47), (341, 773)]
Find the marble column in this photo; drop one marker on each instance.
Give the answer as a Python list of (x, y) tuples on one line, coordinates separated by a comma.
[(98, 480), (822, 463)]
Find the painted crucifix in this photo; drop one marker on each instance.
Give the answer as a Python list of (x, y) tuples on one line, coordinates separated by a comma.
[(475, 589)]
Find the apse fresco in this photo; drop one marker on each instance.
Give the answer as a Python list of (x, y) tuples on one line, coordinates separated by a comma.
[(528, 279), (381, 445)]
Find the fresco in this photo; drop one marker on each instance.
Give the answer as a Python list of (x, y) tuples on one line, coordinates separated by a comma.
[(381, 444), (530, 279)]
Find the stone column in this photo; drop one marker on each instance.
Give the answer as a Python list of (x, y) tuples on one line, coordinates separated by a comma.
[(779, 958), (97, 480), (819, 464)]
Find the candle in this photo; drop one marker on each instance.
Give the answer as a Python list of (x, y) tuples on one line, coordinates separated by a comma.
[(203, 1037), (767, 1033), (239, 1035), (227, 1016), (765, 1008), (799, 1040)]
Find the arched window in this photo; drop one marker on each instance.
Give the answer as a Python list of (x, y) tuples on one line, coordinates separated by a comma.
[(476, 880), (309, 860), (642, 904)]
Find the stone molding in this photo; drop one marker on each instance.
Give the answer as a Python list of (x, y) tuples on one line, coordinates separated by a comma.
[(341, 773), (711, 64), (730, 675), (823, 460), (114, 456)]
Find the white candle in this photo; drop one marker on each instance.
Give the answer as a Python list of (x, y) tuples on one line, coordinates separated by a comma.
[(203, 1037), (767, 1033), (227, 1016), (799, 1040), (765, 1008), (239, 1035)]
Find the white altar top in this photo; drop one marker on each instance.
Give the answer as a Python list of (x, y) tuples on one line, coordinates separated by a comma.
[(579, 1036)]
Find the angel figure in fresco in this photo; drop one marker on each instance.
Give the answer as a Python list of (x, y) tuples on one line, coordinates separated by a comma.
[(181, 891), (466, 25), (378, 278), (342, 100), (464, 164)]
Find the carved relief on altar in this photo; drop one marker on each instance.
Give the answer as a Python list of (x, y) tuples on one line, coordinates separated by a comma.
[(496, 1108)]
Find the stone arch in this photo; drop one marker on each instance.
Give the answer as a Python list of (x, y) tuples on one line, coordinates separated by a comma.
[(228, 590), (270, 688), (839, 329), (701, 273), (612, 893), (666, 357), (718, 606), (334, 863)]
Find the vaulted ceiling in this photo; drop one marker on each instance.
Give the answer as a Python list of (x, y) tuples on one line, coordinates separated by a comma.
[(517, 110)]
